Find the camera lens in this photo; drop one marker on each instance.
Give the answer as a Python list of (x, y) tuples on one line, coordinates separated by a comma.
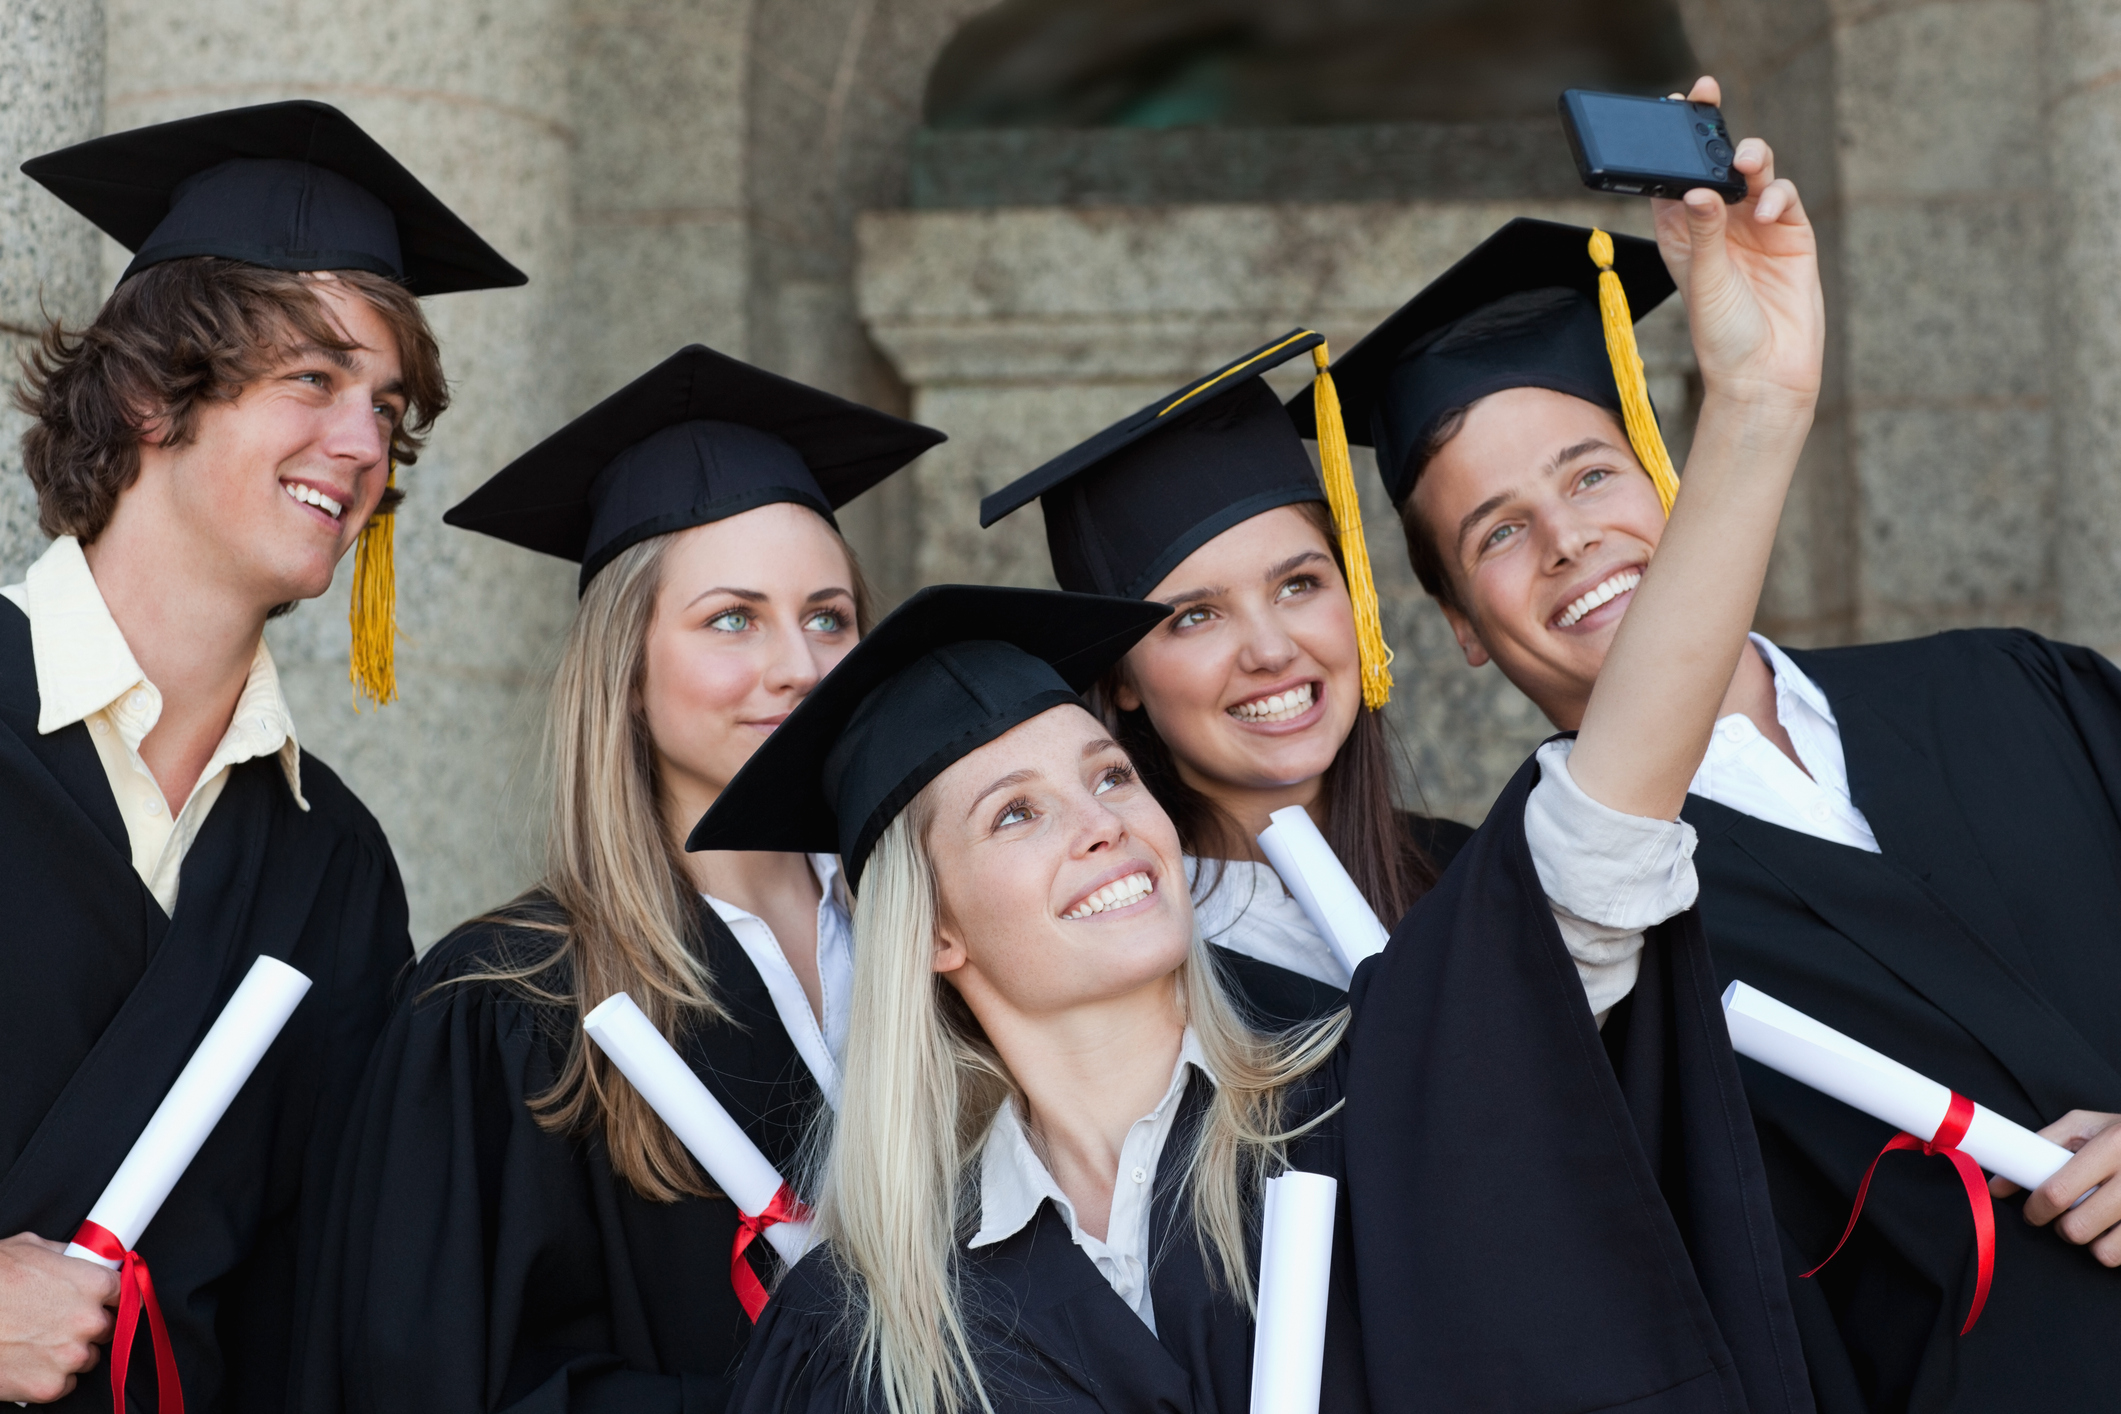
[(1719, 151), (1704, 129)]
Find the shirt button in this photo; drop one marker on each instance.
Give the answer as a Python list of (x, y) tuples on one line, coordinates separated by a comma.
[(1141, 1175), (1820, 811), (154, 805), (1736, 730), (138, 701), (99, 727)]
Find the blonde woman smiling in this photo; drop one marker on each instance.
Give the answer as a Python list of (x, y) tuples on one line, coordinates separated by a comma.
[(514, 1228)]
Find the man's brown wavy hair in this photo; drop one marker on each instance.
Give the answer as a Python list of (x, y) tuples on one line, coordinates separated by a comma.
[(167, 341)]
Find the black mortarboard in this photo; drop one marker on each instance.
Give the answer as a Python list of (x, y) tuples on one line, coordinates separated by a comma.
[(1123, 508), (950, 670), (290, 186), (1524, 310), (700, 437)]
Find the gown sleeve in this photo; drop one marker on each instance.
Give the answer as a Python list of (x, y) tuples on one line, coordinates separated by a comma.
[(798, 1361), (1535, 1225), (465, 1266)]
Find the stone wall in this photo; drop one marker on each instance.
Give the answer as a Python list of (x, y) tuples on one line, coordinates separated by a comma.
[(1022, 331)]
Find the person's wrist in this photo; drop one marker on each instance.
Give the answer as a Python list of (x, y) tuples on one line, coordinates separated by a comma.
[(1758, 400)]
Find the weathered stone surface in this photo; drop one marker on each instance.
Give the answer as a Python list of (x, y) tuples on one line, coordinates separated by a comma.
[(51, 262)]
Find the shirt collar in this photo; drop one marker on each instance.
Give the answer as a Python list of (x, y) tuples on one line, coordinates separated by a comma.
[(84, 665), (1789, 678), (1014, 1180)]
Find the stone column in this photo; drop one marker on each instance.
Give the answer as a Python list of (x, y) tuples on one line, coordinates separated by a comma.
[(51, 94), (662, 244), (2084, 164), (473, 97), (1025, 330)]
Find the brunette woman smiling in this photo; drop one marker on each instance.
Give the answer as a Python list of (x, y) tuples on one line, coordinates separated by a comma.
[(513, 1227), (1265, 687)]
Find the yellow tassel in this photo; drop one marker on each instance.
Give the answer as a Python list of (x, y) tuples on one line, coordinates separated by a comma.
[(373, 614), (1339, 475), (1620, 347)]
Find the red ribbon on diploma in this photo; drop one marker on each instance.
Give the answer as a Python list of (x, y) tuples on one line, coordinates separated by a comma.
[(1946, 1142), (749, 1289), (136, 1291)]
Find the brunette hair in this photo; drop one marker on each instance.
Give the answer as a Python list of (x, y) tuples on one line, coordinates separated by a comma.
[(1424, 550), (628, 917), (171, 338), (1359, 790)]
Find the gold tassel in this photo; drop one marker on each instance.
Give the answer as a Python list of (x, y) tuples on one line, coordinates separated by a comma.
[(1620, 347), (373, 614), (1339, 475)]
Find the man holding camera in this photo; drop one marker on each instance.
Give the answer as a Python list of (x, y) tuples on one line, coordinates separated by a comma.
[(1915, 843), (204, 453)]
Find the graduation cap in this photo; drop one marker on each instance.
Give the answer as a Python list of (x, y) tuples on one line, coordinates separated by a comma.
[(950, 670), (700, 437), (290, 186), (1124, 508), (1536, 305)]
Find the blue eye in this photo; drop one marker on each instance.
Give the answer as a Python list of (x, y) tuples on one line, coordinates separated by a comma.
[(730, 621), (1498, 535), (829, 621), (1593, 477)]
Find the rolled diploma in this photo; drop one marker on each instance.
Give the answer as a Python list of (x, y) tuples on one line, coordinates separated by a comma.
[(1321, 887), (655, 1068), (1295, 1259), (205, 1089), (1785, 1039)]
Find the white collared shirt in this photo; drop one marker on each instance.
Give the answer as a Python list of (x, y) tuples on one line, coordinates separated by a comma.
[(86, 672), (1607, 876), (819, 1043), (1014, 1180), (1748, 773)]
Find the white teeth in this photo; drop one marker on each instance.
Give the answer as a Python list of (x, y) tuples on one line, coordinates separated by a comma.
[(311, 496), (1605, 593), (1117, 894), (1280, 707)]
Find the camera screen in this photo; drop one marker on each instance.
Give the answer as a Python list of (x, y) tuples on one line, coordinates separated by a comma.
[(1637, 135)]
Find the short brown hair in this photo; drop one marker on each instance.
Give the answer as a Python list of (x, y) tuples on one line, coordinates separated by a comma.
[(1424, 551), (167, 340)]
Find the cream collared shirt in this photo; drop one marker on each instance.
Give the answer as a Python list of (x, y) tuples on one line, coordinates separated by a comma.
[(86, 673), (1014, 1180)]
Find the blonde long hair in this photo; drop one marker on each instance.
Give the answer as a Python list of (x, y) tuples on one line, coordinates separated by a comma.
[(629, 914), (898, 1187)]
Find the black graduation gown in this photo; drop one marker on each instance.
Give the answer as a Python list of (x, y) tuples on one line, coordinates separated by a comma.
[(1280, 998), (1525, 1224), (103, 998), (1982, 948), (476, 1261)]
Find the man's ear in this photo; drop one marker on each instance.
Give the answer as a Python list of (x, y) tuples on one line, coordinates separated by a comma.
[(1468, 636)]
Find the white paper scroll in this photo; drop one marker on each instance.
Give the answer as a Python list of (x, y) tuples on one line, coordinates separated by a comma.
[(701, 1124), (1321, 887), (205, 1088), (1295, 1259), (1785, 1039)]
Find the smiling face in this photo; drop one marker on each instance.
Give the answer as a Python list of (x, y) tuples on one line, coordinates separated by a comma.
[(276, 482), (1254, 681), (1544, 521), (1059, 874), (751, 612)]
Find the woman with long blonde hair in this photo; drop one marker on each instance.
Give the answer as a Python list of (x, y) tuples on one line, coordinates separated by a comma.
[(513, 1226), (1041, 1190)]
